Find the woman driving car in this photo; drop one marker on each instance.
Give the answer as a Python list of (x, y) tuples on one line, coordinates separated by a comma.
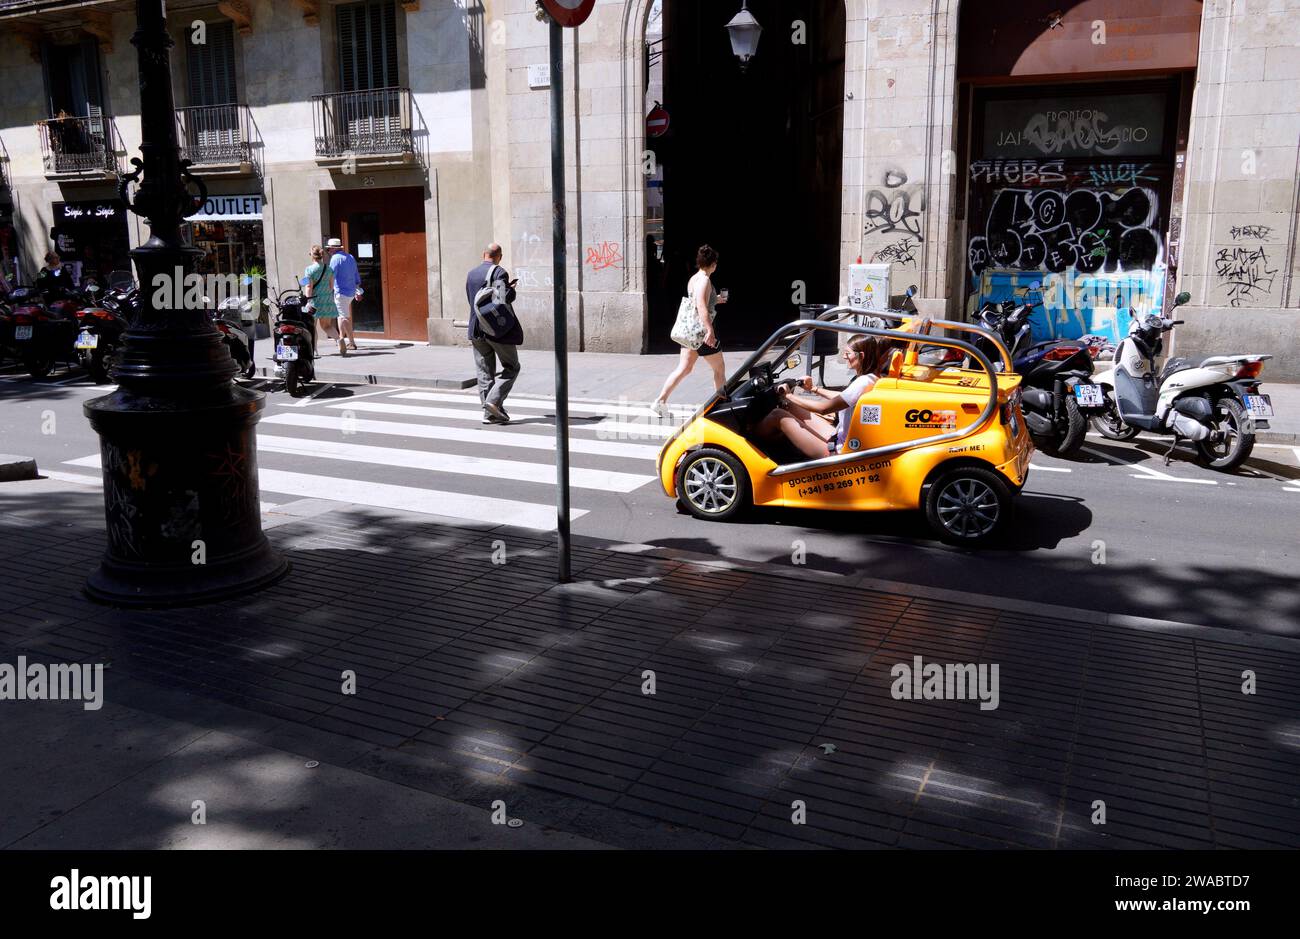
[(804, 421)]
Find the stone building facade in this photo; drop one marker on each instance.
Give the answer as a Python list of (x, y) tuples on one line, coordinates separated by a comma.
[(1114, 151)]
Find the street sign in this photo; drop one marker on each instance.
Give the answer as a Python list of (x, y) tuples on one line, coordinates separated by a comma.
[(569, 12), (656, 122)]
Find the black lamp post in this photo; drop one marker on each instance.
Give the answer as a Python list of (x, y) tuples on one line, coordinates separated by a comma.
[(176, 438)]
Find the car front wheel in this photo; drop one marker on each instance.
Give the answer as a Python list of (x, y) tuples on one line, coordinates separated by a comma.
[(712, 484)]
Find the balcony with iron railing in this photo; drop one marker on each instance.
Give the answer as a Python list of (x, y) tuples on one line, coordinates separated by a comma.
[(378, 125), (5, 185), (219, 137), (80, 146)]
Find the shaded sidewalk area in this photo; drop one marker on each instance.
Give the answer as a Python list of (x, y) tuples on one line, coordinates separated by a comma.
[(478, 679)]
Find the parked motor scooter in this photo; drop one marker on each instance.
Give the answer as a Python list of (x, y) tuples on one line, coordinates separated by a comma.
[(1215, 403), (103, 324), (1058, 394), (230, 324), (295, 341), (44, 328)]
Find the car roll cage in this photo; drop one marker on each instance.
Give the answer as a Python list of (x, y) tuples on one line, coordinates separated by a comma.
[(800, 329)]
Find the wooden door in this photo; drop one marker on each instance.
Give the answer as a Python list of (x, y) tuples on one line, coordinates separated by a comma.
[(384, 231)]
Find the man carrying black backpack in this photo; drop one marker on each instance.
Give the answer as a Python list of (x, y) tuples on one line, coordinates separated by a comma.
[(494, 332)]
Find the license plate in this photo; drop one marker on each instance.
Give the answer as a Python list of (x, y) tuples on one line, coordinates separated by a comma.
[(1261, 406), (87, 341), (1089, 396), (22, 332), (288, 353)]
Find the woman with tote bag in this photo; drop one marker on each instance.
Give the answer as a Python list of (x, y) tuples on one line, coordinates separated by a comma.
[(694, 331)]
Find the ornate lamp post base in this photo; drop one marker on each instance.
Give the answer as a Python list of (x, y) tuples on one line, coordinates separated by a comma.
[(180, 500)]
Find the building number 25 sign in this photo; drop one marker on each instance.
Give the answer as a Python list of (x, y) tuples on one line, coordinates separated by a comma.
[(569, 12)]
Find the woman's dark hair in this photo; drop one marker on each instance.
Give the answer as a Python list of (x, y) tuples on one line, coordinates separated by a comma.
[(705, 257), (875, 352)]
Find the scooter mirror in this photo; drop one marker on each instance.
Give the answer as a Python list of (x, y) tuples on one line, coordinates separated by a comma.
[(1182, 298), (1036, 285), (911, 291), (304, 281)]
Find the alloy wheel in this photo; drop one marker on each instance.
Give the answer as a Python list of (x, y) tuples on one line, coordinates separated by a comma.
[(710, 485), (968, 507)]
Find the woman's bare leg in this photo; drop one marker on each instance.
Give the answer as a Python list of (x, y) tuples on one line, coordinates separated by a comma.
[(785, 423), (719, 370), (684, 365)]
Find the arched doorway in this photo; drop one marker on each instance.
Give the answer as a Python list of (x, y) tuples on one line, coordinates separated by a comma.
[(751, 162)]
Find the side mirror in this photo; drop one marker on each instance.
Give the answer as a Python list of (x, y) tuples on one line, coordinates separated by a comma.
[(1182, 298), (304, 281), (911, 291), (793, 361)]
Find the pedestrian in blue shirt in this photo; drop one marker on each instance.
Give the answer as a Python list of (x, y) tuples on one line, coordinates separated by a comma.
[(347, 287)]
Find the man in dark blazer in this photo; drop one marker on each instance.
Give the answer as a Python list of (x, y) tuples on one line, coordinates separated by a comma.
[(491, 390)]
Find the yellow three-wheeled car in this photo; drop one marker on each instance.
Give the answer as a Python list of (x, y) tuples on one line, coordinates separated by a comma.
[(950, 439)]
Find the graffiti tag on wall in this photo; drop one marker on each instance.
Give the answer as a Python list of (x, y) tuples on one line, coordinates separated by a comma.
[(896, 208), (1084, 230), (606, 254), (1245, 273)]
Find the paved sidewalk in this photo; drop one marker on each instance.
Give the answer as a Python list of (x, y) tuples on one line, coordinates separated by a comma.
[(594, 376), (479, 681), (606, 376)]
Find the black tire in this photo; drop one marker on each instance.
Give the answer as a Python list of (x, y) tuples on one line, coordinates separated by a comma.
[(712, 484), (1076, 427), (1109, 424), (292, 380), (1235, 448), (38, 366), (968, 506), (101, 363), (250, 369)]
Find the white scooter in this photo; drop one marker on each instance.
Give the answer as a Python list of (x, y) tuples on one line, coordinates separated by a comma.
[(1215, 403)]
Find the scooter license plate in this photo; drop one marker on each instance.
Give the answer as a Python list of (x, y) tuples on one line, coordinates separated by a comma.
[(87, 341), (22, 332), (1261, 406), (1089, 396), (287, 353)]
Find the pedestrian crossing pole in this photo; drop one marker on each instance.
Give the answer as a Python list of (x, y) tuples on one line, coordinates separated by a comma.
[(558, 234)]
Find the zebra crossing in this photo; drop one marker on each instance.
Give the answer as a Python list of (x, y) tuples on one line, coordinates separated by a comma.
[(429, 452)]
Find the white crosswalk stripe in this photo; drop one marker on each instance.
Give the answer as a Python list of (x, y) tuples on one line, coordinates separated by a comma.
[(548, 404), (649, 429), (339, 456)]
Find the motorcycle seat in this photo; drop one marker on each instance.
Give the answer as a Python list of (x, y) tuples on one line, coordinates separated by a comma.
[(1176, 364)]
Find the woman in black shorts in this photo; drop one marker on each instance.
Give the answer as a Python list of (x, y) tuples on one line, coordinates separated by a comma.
[(700, 289)]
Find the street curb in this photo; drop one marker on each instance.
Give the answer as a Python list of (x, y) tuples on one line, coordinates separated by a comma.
[(920, 592), (14, 468), (914, 591)]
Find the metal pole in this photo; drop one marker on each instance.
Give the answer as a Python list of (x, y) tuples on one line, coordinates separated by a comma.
[(558, 235)]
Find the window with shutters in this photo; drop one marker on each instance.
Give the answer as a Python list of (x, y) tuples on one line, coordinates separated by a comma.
[(367, 34), (371, 104), (211, 122)]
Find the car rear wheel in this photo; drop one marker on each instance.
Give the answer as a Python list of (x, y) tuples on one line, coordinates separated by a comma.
[(968, 505), (712, 484)]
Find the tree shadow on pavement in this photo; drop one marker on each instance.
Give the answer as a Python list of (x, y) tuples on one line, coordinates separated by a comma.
[(479, 678)]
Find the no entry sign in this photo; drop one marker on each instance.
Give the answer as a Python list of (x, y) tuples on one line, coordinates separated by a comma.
[(569, 12), (656, 122)]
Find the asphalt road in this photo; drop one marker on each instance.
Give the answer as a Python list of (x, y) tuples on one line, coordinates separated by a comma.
[(1115, 530)]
